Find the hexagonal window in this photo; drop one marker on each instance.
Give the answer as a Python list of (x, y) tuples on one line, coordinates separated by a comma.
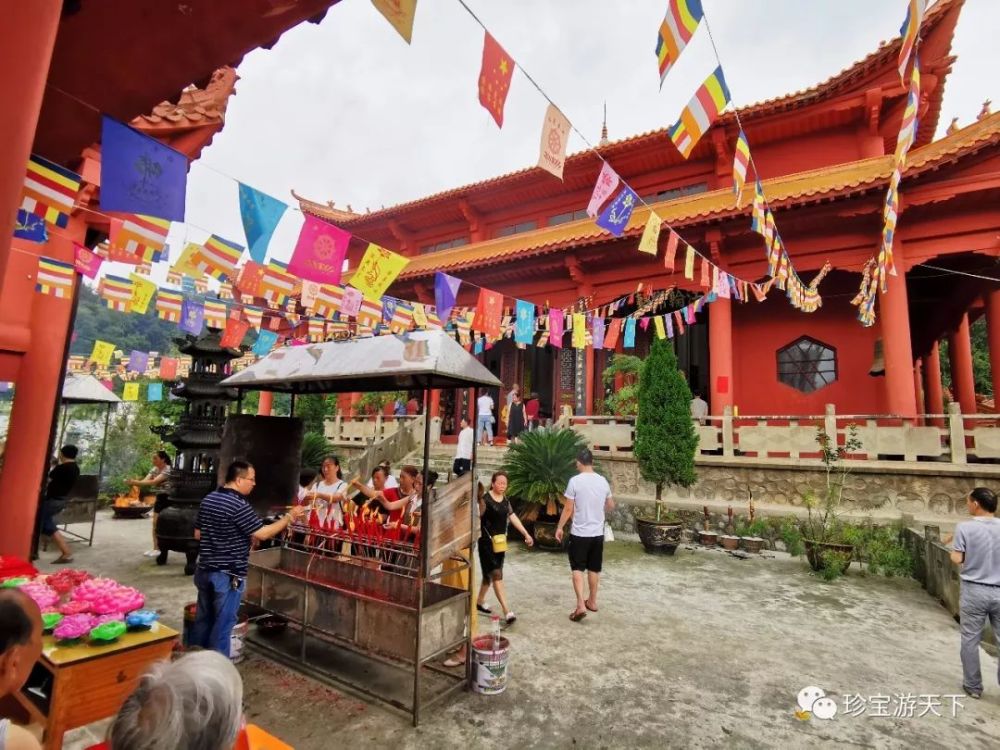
[(807, 365)]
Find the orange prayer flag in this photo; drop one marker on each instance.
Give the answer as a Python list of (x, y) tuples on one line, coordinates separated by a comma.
[(672, 242), (705, 273), (494, 78)]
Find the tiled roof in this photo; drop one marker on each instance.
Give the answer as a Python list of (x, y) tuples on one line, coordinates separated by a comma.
[(794, 189), (885, 55), (194, 108)]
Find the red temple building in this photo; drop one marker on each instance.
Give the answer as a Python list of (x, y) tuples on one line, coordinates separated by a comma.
[(825, 157), (160, 67)]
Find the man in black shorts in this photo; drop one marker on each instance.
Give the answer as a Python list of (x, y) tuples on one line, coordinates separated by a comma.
[(588, 498)]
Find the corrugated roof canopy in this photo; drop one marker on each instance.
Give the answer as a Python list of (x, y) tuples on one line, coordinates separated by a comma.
[(86, 389), (423, 359)]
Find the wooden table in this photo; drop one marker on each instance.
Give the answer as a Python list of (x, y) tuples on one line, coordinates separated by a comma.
[(71, 686)]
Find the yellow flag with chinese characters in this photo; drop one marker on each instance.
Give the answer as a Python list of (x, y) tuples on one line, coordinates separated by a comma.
[(101, 355), (579, 331), (142, 293), (379, 268), (650, 235), (661, 332), (130, 392), (689, 263), (400, 14), (419, 315)]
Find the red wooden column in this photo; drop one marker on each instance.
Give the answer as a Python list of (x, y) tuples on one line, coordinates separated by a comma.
[(27, 35), (894, 312), (435, 403), (265, 404), (355, 398), (933, 395), (992, 300), (960, 355), (588, 388), (918, 386), (720, 354)]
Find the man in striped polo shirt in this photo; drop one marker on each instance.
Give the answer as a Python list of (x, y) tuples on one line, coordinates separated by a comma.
[(226, 526)]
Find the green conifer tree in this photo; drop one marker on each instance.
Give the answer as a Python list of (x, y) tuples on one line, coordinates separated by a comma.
[(665, 439)]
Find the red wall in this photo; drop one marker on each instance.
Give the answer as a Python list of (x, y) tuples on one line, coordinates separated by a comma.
[(759, 330)]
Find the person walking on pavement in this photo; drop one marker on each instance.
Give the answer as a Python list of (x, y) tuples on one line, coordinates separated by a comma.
[(588, 499), (976, 548)]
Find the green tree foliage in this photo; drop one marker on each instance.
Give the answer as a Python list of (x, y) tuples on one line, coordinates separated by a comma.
[(315, 447), (665, 439), (130, 443), (127, 331), (624, 401), (982, 373), (311, 409), (540, 464)]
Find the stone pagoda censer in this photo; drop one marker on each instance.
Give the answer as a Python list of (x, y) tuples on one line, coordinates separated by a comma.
[(197, 436)]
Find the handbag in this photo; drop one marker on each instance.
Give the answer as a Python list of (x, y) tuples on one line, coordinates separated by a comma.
[(499, 542)]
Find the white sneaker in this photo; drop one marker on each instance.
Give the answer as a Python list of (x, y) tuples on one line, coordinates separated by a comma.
[(151, 553)]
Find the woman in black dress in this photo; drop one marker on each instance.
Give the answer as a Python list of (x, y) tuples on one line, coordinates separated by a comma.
[(515, 418), (494, 513)]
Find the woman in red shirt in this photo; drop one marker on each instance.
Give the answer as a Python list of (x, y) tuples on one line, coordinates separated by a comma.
[(531, 407)]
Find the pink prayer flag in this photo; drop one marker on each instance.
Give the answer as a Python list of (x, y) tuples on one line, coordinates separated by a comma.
[(350, 303), (680, 322), (85, 261), (644, 323), (607, 181), (556, 327), (319, 253), (689, 314)]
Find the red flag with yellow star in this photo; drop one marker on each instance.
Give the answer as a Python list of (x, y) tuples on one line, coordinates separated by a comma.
[(494, 78)]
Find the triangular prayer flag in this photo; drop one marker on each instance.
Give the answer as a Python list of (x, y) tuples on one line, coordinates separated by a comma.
[(400, 14), (260, 214), (494, 78), (140, 175), (445, 292)]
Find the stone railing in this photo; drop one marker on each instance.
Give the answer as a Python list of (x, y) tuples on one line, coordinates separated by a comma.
[(953, 437), (392, 448), (361, 431)]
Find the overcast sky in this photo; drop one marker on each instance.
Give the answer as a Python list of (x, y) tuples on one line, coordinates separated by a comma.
[(346, 111)]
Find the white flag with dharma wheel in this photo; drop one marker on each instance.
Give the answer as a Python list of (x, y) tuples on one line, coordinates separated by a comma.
[(555, 135)]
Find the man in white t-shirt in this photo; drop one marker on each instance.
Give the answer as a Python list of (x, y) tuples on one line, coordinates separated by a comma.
[(588, 498), (484, 422), (463, 452)]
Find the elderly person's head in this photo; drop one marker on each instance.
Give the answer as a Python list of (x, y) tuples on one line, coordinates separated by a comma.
[(194, 703), (20, 638)]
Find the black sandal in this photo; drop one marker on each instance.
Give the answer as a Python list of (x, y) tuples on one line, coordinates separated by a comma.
[(484, 609)]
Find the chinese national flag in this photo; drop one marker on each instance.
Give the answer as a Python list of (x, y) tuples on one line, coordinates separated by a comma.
[(251, 274), (494, 78), (489, 311)]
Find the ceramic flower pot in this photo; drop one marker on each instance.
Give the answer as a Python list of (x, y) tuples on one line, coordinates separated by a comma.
[(730, 542), (753, 544), (709, 538), (659, 537)]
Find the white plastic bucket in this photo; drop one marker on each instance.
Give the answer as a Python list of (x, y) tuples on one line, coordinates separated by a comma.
[(236, 639), (489, 664)]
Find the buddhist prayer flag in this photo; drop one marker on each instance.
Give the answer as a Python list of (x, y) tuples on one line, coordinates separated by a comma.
[(679, 25), (370, 313), (579, 331), (668, 322), (679, 321), (265, 341), (138, 361), (400, 14), (614, 331), (378, 269), (215, 313), (402, 318), (555, 136), (689, 263), (328, 300), (758, 212), (705, 273), (909, 31), (168, 368), (232, 335), (351, 303), (260, 214), (524, 324), (494, 78), (168, 305), (250, 277), (116, 292), (555, 327), (49, 191), (319, 253), (597, 332), (669, 257), (606, 183), (276, 286), (101, 353), (661, 332), (139, 174), (629, 340), (254, 316), (703, 109), (741, 161), (141, 236), (616, 214), (154, 392), (419, 315), (187, 263), (142, 294), (650, 235), (29, 227), (192, 317), (54, 278), (316, 329), (445, 292), (86, 262), (908, 127), (218, 257), (130, 392), (489, 311)]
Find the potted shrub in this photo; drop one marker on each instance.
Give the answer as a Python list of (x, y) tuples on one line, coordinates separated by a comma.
[(827, 548), (539, 466), (665, 441), (751, 532), (729, 541)]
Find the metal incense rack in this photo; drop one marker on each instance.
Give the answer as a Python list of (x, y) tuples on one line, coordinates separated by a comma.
[(370, 607)]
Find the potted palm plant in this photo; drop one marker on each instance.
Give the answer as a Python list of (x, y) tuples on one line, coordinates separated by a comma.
[(665, 442), (538, 467), (826, 546)]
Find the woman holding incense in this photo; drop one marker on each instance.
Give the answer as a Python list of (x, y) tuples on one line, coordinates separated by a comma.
[(394, 502), (327, 492)]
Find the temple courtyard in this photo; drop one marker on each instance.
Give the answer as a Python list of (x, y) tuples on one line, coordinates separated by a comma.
[(700, 650)]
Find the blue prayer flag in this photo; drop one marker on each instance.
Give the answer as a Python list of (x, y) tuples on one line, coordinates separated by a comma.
[(524, 326), (616, 214), (445, 293), (139, 175), (388, 309), (629, 342), (29, 227), (154, 392), (261, 214), (192, 317), (479, 345), (598, 333), (265, 341)]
